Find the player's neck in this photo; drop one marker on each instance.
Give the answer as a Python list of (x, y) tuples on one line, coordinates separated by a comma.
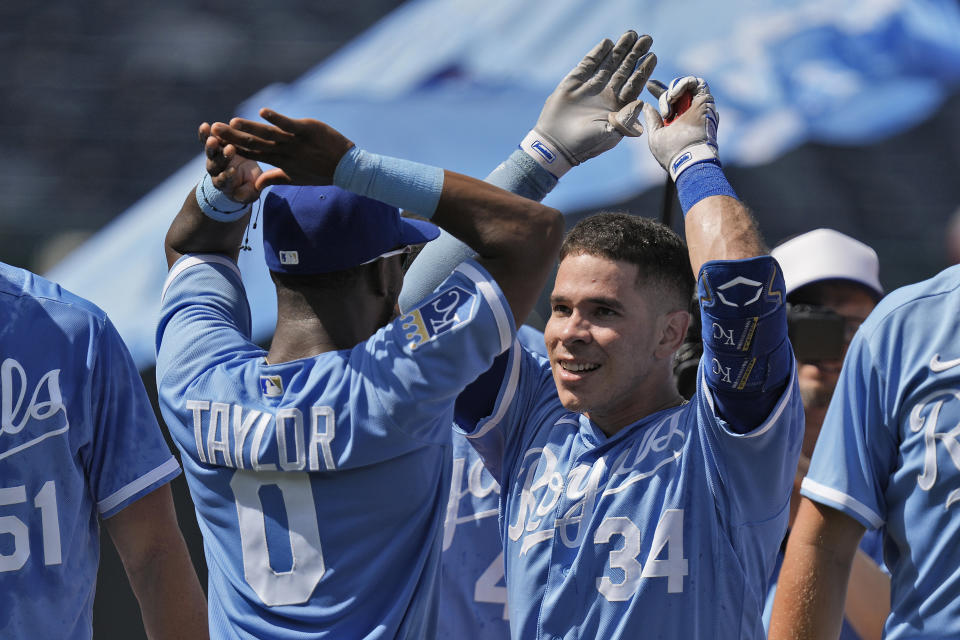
[(292, 342), (648, 402), (301, 333)]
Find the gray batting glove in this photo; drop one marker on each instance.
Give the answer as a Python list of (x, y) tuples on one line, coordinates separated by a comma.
[(692, 136), (594, 106)]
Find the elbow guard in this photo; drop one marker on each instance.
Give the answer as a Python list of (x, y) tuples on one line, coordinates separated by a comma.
[(742, 308)]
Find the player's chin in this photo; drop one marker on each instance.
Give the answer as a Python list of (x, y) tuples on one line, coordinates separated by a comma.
[(572, 397), (571, 402)]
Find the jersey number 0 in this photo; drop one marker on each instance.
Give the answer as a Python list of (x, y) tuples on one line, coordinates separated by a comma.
[(276, 588)]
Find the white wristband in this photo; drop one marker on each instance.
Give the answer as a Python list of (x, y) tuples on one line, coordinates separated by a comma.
[(545, 153), (690, 156), (216, 205)]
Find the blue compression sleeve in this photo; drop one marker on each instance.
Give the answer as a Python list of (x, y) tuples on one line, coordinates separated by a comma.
[(436, 261), (700, 181), (747, 357), (405, 184), (522, 175), (518, 174)]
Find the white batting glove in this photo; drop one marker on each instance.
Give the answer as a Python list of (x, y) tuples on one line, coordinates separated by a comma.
[(594, 106), (692, 136)]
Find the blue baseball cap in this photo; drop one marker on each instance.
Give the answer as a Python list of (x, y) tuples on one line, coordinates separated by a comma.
[(310, 230)]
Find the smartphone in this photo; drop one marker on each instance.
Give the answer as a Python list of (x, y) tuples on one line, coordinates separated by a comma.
[(815, 332)]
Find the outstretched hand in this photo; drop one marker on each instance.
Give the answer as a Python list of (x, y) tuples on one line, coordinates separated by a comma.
[(596, 104), (232, 174), (304, 151), (691, 136)]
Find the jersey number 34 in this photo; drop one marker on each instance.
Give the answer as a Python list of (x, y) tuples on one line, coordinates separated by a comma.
[(669, 535)]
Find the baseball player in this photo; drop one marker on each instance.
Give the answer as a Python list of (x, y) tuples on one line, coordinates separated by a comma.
[(473, 595), (320, 467), (79, 445), (887, 458), (626, 511), (591, 110), (832, 282)]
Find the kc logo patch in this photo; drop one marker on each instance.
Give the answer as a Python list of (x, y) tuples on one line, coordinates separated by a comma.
[(445, 311)]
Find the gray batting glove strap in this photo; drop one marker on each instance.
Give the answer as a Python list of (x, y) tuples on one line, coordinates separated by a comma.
[(689, 139), (594, 106)]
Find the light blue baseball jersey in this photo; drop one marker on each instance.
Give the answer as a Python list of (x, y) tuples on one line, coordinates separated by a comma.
[(78, 441), (320, 484), (888, 454), (667, 529), (473, 593)]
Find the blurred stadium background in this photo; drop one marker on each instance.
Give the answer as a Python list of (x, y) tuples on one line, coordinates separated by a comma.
[(846, 116)]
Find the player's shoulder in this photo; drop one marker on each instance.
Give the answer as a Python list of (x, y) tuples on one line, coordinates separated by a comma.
[(21, 284), (924, 301)]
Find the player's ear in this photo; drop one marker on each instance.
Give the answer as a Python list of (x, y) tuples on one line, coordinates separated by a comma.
[(673, 329)]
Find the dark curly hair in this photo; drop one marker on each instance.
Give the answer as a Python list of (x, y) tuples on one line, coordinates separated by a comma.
[(659, 253)]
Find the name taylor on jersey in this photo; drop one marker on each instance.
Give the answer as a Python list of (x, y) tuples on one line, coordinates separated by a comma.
[(231, 435)]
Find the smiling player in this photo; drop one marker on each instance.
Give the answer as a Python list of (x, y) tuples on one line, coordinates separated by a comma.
[(625, 511)]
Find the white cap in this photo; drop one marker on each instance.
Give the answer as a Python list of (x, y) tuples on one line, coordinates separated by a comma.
[(825, 254)]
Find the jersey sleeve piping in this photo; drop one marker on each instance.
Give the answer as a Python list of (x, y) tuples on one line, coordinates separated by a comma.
[(509, 392), (165, 472), (500, 313), (774, 415), (193, 260), (822, 493)]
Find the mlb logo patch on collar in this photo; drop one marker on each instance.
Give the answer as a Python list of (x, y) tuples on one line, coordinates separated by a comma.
[(271, 386)]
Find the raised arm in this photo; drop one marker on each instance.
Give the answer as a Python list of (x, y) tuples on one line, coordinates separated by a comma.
[(516, 239), (589, 113), (215, 213), (749, 359), (717, 225), (813, 581)]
